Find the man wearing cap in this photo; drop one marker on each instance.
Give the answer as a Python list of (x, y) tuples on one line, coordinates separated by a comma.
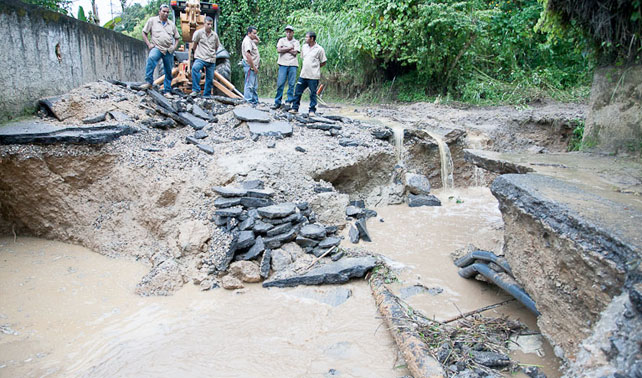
[(251, 60), (313, 59), (288, 49), (205, 44), (164, 39)]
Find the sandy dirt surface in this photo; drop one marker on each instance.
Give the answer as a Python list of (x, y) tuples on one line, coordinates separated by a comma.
[(145, 194)]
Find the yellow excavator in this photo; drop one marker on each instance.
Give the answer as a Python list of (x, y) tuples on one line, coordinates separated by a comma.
[(191, 14)]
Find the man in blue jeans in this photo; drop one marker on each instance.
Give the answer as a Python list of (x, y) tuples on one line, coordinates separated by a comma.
[(164, 39), (288, 49), (313, 59), (251, 61), (205, 44)]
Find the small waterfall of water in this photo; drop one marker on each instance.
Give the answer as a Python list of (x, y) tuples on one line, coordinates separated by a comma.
[(479, 177), (398, 133), (447, 166)]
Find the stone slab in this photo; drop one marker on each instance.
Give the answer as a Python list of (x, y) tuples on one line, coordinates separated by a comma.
[(192, 120), (33, 131), (281, 210), (274, 128), (249, 114), (333, 273), (200, 113)]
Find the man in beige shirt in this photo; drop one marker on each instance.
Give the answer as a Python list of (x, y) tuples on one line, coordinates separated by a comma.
[(164, 39), (251, 61), (204, 46), (288, 49), (313, 59)]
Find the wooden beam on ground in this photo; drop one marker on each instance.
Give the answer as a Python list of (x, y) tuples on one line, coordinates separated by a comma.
[(223, 80), (225, 91)]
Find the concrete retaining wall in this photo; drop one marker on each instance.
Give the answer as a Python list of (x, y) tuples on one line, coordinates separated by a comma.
[(45, 53)]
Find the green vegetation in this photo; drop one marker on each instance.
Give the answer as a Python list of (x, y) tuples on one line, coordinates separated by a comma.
[(575, 143), (416, 50), (61, 6), (476, 51)]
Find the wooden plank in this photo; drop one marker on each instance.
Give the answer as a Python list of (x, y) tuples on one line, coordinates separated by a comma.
[(223, 80), (225, 91)]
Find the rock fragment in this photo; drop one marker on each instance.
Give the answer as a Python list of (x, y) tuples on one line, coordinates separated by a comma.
[(312, 231), (265, 263), (333, 273), (423, 200), (277, 211), (417, 184), (246, 113), (363, 230), (246, 271)]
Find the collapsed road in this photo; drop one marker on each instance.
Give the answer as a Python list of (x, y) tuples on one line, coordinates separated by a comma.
[(218, 194)]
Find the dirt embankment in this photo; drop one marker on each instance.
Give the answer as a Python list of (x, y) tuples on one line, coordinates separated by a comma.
[(149, 195)]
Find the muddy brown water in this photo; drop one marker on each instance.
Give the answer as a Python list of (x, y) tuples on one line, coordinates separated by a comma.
[(66, 311)]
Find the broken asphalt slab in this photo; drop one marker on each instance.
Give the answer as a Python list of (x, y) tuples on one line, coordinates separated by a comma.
[(248, 114), (33, 131), (275, 128), (333, 273)]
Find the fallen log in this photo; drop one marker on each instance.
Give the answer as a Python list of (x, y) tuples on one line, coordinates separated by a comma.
[(404, 331)]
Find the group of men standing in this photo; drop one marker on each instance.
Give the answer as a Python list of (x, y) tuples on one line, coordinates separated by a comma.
[(312, 54), (163, 40)]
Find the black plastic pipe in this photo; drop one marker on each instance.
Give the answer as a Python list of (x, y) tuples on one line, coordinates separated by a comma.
[(486, 256), (512, 289)]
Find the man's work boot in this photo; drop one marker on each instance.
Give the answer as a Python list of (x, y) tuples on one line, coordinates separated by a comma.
[(145, 86), (275, 107)]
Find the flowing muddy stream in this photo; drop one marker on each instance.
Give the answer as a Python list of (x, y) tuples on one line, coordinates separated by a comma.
[(421, 239), (67, 311)]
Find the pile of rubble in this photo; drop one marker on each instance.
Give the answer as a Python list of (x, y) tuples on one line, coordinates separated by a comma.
[(259, 226)]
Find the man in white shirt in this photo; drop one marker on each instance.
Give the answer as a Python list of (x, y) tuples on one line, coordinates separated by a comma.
[(288, 49), (251, 61), (164, 39), (313, 59), (205, 44)]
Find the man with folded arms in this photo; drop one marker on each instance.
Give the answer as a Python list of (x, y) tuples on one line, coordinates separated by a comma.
[(288, 49)]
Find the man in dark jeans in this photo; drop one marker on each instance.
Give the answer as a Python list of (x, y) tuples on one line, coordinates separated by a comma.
[(288, 48), (164, 39), (313, 59)]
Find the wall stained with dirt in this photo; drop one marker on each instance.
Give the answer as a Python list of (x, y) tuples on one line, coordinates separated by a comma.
[(46, 53)]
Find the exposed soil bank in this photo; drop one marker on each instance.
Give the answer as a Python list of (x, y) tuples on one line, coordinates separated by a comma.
[(573, 240), (150, 196)]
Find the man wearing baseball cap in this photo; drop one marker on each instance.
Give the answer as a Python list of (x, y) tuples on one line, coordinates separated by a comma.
[(288, 49)]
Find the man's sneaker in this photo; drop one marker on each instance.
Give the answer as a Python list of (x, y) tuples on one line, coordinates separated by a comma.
[(194, 94), (293, 111), (168, 94), (275, 107), (312, 114), (145, 86)]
